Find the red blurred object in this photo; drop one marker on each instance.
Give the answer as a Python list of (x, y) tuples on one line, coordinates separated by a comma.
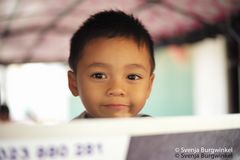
[(40, 30)]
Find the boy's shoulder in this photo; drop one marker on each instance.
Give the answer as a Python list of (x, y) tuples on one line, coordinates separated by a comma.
[(84, 115)]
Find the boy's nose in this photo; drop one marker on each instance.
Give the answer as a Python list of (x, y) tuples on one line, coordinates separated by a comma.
[(116, 89)]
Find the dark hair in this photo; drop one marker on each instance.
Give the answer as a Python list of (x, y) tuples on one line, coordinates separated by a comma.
[(109, 24)]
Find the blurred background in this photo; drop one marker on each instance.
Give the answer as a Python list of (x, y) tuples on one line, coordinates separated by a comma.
[(196, 49)]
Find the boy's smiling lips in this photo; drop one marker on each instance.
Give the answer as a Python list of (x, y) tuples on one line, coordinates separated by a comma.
[(116, 106)]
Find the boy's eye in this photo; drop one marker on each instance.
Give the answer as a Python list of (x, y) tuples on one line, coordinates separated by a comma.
[(98, 76), (134, 77)]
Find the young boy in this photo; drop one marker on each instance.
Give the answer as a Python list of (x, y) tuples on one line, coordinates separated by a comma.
[(112, 64)]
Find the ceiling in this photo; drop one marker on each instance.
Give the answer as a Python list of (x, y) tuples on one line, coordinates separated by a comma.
[(40, 30)]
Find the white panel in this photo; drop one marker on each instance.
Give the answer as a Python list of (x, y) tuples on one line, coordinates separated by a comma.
[(210, 77), (38, 92)]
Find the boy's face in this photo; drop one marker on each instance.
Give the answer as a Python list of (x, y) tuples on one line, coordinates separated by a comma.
[(113, 77)]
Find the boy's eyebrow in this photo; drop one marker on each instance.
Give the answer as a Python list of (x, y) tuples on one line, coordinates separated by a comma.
[(100, 64), (140, 66), (97, 64)]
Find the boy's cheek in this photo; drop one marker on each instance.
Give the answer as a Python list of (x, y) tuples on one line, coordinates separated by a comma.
[(90, 90), (139, 96)]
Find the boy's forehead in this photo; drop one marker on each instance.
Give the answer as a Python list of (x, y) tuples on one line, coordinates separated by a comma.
[(107, 50), (114, 44), (139, 44)]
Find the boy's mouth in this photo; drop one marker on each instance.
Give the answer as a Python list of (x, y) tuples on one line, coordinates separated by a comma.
[(116, 106)]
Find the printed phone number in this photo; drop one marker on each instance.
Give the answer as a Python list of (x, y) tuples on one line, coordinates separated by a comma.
[(50, 151)]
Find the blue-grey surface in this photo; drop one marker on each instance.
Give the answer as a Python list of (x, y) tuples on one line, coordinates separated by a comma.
[(217, 145)]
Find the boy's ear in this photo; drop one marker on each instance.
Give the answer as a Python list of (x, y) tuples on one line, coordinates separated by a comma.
[(151, 84), (72, 83)]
